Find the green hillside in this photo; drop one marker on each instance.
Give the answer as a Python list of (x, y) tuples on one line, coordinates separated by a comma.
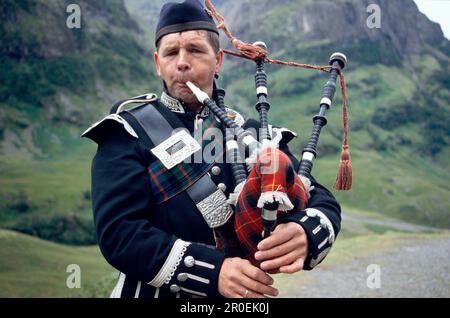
[(56, 82), (31, 267), (49, 198)]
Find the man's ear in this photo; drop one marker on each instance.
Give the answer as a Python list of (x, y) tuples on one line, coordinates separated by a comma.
[(157, 65), (219, 60)]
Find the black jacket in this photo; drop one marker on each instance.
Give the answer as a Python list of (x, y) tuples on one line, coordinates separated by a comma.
[(168, 250)]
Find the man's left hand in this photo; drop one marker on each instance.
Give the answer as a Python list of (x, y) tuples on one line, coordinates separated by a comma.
[(285, 250)]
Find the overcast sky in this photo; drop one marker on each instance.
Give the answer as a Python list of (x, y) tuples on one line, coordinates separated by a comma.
[(437, 11)]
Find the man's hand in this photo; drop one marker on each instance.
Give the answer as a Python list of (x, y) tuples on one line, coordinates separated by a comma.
[(238, 278), (285, 250)]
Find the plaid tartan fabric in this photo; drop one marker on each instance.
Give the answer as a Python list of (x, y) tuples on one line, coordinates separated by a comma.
[(273, 171), (167, 183)]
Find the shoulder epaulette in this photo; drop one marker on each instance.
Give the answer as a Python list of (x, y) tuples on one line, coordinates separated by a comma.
[(114, 115), (120, 106)]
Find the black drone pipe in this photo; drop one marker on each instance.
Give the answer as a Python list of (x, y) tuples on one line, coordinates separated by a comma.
[(262, 106), (232, 149), (270, 210), (338, 61)]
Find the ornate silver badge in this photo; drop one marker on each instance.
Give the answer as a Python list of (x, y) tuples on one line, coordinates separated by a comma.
[(215, 209), (176, 149)]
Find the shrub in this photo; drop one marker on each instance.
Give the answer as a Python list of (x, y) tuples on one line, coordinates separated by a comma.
[(86, 195), (18, 202), (390, 117), (67, 229)]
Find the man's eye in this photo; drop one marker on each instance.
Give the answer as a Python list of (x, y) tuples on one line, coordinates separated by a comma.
[(171, 53)]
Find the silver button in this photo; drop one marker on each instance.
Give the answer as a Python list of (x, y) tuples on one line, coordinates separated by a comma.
[(216, 170), (175, 288), (189, 261), (182, 277), (222, 187)]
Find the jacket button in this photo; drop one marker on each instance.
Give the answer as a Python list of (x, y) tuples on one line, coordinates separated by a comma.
[(222, 187), (175, 288), (189, 261), (216, 170), (182, 277)]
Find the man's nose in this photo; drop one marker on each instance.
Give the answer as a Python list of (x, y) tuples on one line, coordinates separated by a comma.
[(183, 61)]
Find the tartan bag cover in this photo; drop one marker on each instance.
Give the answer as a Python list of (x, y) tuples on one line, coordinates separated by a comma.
[(272, 173)]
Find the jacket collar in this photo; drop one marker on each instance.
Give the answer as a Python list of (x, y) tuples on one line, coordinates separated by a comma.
[(176, 106)]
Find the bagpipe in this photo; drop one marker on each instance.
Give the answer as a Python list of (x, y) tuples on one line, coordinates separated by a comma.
[(267, 184)]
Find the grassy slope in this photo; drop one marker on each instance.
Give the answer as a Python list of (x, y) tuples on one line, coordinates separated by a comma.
[(34, 268), (61, 180), (51, 187)]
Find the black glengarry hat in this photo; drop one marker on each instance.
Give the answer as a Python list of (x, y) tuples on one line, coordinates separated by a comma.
[(178, 17)]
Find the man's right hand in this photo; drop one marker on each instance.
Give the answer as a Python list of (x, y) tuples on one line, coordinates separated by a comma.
[(238, 278)]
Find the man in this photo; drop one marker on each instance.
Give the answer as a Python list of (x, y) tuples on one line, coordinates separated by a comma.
[(150, 228)]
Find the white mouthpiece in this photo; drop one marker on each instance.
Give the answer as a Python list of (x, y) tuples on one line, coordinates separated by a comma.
[(201, 95)]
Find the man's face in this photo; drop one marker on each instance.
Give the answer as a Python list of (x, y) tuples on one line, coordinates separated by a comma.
[(187, 56)]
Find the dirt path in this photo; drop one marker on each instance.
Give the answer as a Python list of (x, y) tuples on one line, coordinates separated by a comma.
[(412, 266)]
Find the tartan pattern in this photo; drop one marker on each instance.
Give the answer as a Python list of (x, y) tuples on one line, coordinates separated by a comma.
[(247, 221), (167, 183)]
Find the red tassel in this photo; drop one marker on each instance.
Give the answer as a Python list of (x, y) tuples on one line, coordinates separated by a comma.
[(345, 173)]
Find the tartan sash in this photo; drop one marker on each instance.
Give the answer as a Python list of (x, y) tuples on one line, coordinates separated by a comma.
[(167, 183)]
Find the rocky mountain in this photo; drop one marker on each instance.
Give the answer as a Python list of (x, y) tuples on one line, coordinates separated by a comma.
[(343, 22), (54, 75)]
